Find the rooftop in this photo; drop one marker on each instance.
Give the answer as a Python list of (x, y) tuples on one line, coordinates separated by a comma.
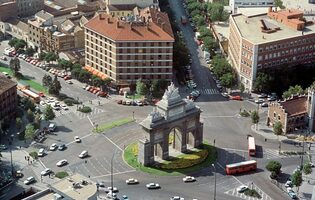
[(295, 105), (122, 7), (150, 25), (246, 25), (72, 188), (18, 23), (44, 15), (5, 83)]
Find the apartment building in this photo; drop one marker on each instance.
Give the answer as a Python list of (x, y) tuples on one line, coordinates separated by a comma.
[(8, 98), (28, 7), (127, 49), (42, 20), (121, 10), (15, 28), (235, 4), (294, 114), (7, 10), (267, 41)]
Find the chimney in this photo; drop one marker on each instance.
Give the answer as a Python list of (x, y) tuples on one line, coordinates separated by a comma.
[(108, 20), (270, 9), (263, 37), (117, 24), (163, 26)]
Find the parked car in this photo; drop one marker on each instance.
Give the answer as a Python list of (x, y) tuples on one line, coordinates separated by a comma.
[(62, 147), (189, 179), (177, 198), (62, 163), (45, 172), (19, 174), (265, 104), (41, 152), (262, 95), (292, 195), (83, 154), (29, 180), (259, 101), (69, 82), (132, 181), (152, 185), (77, 139), (288, 184), (237, 98), (112, 189), (242, 188), (3, 147), (53, 147)]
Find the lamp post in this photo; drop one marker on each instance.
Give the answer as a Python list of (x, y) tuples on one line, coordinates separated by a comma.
[(215, 182), (10, 144)]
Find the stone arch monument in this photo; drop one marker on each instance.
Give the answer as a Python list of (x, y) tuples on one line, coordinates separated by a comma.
[(172, 115)]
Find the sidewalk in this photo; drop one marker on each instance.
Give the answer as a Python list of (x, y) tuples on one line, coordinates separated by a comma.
[(306, 189), (267, 132)]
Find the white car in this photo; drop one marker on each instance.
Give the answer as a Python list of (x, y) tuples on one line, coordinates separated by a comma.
[(242, 188), (189, 179), (153, 186), (53, 147), (45, 172), (288, 184), (62, 163), (65, 107), (42, 103), (132, 181), (29, 180), (177, 198), (110, 189), (69, 82), (289, 189), (83, 154), (41, 152), (77, 139)]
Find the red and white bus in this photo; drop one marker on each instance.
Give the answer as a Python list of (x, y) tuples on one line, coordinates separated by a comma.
[(241, 167), (251, 146)]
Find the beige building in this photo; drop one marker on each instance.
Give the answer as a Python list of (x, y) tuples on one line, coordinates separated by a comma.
[(267, 41), (43, 20), (15, 28), (126, 50), (121, 10)]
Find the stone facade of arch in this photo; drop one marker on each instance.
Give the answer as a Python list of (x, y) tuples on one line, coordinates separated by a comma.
[(171, 112)]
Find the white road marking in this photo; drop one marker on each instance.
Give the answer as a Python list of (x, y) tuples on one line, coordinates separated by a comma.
[(112, 142), (230, 149), (125, 172), (90, 121), (230, 175)]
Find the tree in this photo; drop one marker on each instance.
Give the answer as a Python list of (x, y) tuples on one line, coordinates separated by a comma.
[(227, 80), (13, 41), (29, 132), (15, 66), (75, 72), (47, 80), (277, 130), (42, 55), (29, 104), (255, 117), (274, 166), (241, 87), (49, 113), (297, 179), (51, 56), (65, 64), (141, 87), (209, 43), (30, 51), (96, 81), (20, 44), (292, 91), (30, 116), (180, 54), (261, 83), (307, 168), (279, 3), (84, 76), (18, 123), (55, 87), (37, 121), (216, 12)]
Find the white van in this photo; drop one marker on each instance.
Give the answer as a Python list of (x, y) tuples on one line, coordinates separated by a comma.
[(83, 154), (52, 127)]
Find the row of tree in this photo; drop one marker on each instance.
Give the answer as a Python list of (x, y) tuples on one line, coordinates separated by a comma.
[(53, 85), (223, 71), (21, 46), (156, 87)]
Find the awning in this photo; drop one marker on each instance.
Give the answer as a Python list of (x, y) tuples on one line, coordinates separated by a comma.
[(95, 72)]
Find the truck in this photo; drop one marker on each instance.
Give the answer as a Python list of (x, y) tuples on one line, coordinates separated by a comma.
[(183, 20)]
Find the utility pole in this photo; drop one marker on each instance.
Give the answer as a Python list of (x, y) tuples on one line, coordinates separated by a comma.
[(215, 182)]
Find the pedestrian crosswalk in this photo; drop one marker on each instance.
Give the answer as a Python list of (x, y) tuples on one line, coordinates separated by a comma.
[(209, 91), (274, 154), (80, 115), (251, 185)]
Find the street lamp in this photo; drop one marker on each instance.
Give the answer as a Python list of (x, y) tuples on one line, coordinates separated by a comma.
[(215, 182), (10, 144)]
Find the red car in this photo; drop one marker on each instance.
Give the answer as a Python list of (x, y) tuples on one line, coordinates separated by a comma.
[(237, 98), (67, 77)]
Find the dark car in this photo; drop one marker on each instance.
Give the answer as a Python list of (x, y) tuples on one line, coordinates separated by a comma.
[(62, 147)]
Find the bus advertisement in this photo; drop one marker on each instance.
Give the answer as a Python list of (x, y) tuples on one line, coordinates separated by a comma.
[(241, 167), (251, 146)]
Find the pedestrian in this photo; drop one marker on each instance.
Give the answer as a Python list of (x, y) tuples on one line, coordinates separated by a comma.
[(25, 157), (85, 161), (99, 103)]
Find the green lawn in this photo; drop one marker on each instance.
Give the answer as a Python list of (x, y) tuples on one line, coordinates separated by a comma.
[(107, 126), (132, 160), (135, 96), (25, 81)]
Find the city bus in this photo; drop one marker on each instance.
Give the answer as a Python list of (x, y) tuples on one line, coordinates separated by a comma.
[(241, 167), (251, 146), (35, 97)]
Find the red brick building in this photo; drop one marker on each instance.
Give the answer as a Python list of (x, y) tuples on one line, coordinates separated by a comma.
[(267, 41), (8, 98), (294, 113)]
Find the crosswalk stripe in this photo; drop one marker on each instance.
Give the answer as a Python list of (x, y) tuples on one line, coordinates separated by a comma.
[(209, 91)]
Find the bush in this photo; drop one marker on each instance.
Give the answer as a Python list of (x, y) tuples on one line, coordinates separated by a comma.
[(244, 113), (273, 175), (61, 174), (307, 168), (34, 155), (70, 102), (85, 109), (252, 193), (274, 166)]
